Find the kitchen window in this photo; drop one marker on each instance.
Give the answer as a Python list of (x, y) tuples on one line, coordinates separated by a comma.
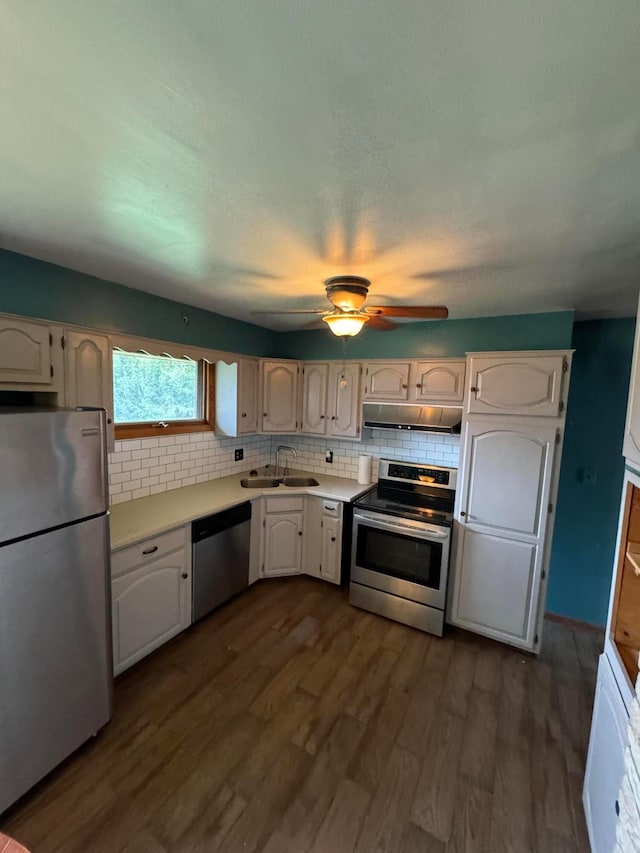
[(160, 394)]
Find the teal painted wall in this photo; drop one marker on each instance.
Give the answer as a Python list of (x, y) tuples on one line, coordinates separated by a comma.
[(437, 338), (37, 289), (592, 471)]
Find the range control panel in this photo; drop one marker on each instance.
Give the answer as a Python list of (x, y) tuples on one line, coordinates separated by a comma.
[(411, 472)]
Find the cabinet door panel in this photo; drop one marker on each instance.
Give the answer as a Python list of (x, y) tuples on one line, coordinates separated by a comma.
[(387, 380), (495, 584), (438, 382), (506, 477), (605, 762), (515, 385), (248, 396), (344, 397), (283, 544), (314, 398), (631, 446), (88, 375), (280, 397), (331, 550), (25, 353), (148, 608)]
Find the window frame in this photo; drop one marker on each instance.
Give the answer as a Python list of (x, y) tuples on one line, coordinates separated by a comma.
[(155, 430)]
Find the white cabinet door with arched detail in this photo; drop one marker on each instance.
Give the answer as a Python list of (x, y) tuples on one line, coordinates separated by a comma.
[(516, 384), (386, 380), (315, 378), (280, 396), (438, 382), (88, 377), (150, 605), (344, 399), (283, 544), (25, 353), (503, 515)]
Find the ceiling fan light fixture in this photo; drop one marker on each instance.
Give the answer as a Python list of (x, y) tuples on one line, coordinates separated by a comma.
[(346, 325)]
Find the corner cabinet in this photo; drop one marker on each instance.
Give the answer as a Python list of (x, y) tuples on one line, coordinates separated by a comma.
[(151, 596), (88, 377), (526, 384), (280, 396), (605, 761), (282, 535), (331, 398)]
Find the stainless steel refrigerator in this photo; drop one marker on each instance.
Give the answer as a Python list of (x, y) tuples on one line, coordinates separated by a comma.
[(55, 635)]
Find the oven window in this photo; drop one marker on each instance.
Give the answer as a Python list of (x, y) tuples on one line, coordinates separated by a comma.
[(399, 555)]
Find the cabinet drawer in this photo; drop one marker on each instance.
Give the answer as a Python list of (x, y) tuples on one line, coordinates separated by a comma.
[(293, 504), (332, 509), (150, 549)]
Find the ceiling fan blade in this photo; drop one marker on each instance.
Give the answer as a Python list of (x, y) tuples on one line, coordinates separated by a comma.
[(296, 311), (417, 312), (380, 324)]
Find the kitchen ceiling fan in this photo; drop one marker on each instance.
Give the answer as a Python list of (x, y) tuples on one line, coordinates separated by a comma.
[(348, 293)]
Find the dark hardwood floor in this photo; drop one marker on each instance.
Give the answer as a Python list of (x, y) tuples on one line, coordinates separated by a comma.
[(290, 722)]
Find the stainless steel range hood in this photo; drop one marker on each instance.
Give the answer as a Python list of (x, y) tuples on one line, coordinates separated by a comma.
[(443, 419)]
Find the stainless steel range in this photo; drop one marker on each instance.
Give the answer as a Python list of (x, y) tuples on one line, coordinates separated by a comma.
[(400, 545)]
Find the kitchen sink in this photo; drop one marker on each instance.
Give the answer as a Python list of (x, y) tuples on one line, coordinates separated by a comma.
[(259, 483), (299, 481), (274, 482)]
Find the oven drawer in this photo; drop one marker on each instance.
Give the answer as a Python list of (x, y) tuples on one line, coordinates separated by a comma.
[(411, 613), (399, 587)]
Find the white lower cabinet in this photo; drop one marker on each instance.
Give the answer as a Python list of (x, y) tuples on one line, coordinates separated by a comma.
[(605, 762), (302, 535), (151, 599)]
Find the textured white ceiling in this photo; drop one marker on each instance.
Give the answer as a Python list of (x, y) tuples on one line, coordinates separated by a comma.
[(232, 154)]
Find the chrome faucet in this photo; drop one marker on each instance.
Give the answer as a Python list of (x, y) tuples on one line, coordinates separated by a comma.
[(284, 448)]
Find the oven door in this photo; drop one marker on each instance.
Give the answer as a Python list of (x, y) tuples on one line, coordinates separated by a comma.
[(404, 557)]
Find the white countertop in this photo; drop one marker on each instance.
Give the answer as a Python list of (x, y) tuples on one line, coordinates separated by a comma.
[(135, 520)]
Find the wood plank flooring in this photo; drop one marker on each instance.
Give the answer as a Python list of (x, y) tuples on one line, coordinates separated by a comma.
[(290, 722)]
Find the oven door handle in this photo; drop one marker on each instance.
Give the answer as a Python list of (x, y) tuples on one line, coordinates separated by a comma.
[(420, 532)]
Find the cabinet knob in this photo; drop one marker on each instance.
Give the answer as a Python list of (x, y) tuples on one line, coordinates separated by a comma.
[(299, 532), (333, 417), (109, 420), (244, 414), (264, 415), (404, 385), (185, 575), (418, 385), (333, 538), (321, 417), (474, 389), (462, 514), (617, 808)]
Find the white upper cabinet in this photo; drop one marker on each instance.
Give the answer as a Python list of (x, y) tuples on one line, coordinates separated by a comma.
[(631, 445), (344, 399), (386, 380), (516, 384), (504, 511), (315, 383), (438, 382), (88, 377), (248, 395), (237, 396), (26, 353), (280, 396)]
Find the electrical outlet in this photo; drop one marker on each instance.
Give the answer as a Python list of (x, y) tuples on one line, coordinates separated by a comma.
[(239, 454), (328, 457)]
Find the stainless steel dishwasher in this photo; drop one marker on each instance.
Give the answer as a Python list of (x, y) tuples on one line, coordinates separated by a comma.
[(220, 545)]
